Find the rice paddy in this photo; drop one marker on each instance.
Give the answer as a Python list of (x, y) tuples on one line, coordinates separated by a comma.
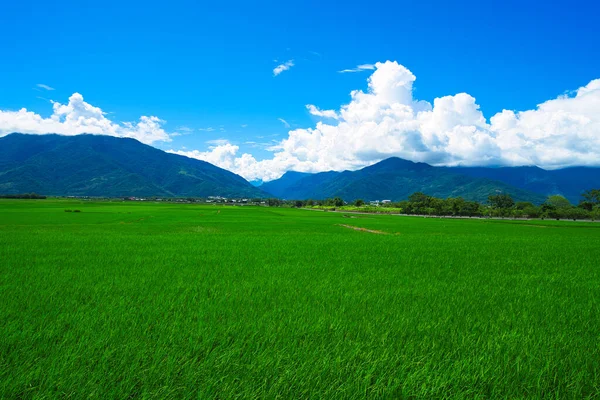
[(152, 300)]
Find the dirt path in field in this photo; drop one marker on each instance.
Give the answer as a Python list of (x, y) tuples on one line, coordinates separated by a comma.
[(357, 228)]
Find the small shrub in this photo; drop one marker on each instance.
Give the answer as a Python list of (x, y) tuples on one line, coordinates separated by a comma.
[(68, 210)]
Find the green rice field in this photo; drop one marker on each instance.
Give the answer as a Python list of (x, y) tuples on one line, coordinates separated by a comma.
[(164, 301)]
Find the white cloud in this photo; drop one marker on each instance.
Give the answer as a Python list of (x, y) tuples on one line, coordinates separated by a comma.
[(269, 146), (217, 142), (560, 132), (359, 68), (387, 121), (221, 155), (224, 155), (45, 87), (383, 121), (284, 122), (283, 67), (321, 113), (182, 130), (78, 117)]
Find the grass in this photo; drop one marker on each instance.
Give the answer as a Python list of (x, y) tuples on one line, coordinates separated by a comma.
[(138, 300)]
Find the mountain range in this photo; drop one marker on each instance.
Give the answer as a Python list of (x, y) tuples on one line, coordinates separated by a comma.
[(392, 179), (396, 179), (568, 182), (93, 165)]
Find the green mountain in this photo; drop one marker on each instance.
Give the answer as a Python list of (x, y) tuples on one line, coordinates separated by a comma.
[(279, 187), (92, 165), (393, 179), (568, 182)]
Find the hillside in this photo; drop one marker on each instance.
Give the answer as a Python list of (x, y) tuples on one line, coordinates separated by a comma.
[(568, 182), (280, 187), (395, 179), (92, 165)]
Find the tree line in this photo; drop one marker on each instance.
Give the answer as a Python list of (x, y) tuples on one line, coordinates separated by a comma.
[(498, 205), (22, 196)]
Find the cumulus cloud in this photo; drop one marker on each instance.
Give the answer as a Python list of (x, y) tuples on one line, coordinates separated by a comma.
[(561, 132), (386, 120), (78, 117), (217, 142), (321, 113), (283, 67), (224, 155), (359, 68), (382, 121)]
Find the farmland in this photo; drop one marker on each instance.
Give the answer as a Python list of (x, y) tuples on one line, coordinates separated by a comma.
[(174, 300)]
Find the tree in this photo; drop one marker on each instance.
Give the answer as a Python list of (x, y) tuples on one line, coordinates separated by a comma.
[(592, 195), (338, 202), (405, 206), (23, 196), (299, 204), (576, 213), (591, 198), (556, 207), (274, 202), (471, 208), (419, 202), (558, 202), (501, 201), (437, 205), (359, 202), (522, 205), (457, 205), (310, 202), (595, 213), (531, 212), (419, 198)]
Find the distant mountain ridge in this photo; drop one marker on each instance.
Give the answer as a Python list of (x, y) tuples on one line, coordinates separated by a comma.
[(569, 182), (393, 179), (95, 165)]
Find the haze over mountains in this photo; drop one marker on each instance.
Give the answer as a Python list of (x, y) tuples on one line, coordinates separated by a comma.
[(92, 165)]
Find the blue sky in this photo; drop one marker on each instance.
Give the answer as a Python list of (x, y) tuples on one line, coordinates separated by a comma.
[(205, 65)]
